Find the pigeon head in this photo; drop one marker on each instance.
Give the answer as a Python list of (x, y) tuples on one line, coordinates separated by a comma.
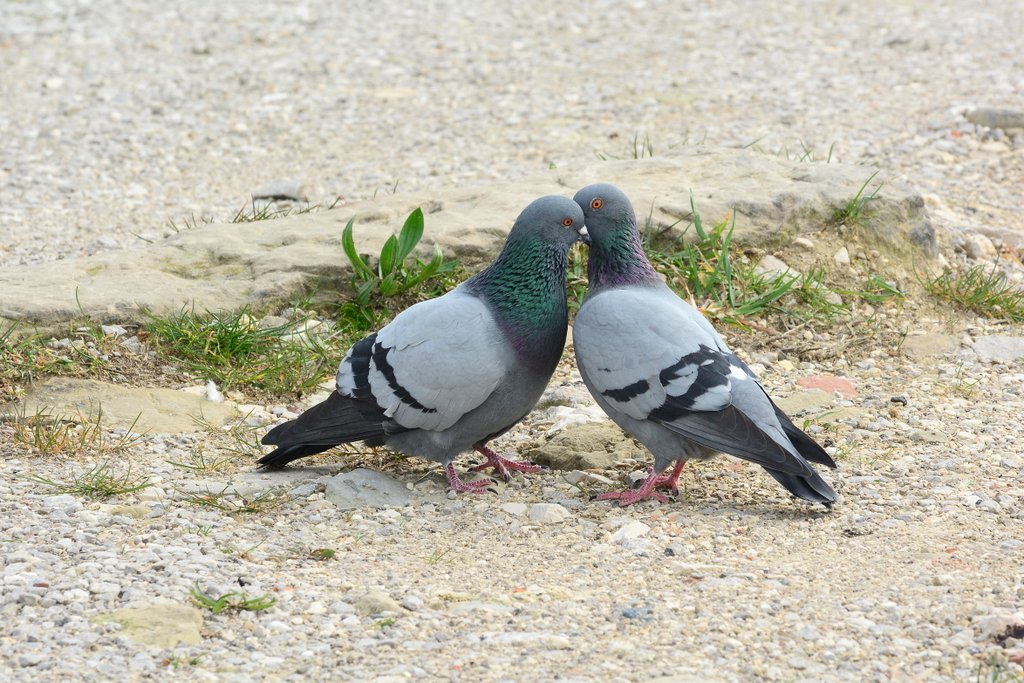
[(616, 252), (607, 211), (552, 219)]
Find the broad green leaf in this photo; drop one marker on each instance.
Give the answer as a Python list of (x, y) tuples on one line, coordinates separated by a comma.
[(388, 286), (348, 244), (411, 234), (365, 289), (388, 259)]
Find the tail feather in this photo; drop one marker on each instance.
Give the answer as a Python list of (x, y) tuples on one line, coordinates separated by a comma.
[(811, 488), (338, 420), (804, 444)]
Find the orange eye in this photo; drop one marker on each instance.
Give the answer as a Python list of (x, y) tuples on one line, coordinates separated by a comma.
[(596, 203), (567, 222)]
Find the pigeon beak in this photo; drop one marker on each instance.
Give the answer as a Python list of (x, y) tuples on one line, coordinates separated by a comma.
[(584, 235)]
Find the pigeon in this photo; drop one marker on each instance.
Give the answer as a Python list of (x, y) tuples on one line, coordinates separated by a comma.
[(659, 369), (451, 373)]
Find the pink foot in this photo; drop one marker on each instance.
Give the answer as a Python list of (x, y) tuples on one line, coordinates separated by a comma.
[(501, 464), (646, 489), (459, 486), (671, 482)]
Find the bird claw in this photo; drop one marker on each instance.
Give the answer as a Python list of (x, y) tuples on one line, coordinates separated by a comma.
[(502, 465), (456, 485)]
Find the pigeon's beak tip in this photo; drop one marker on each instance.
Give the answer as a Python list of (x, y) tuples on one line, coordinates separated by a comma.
[(584, 235)]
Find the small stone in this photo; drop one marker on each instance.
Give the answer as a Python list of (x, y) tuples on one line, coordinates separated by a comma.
[(962, 638), (630, 531), (289, 190), (999, 348), (65, 503), (803, 242), (113, 330), (979, 247), (548, 513), (515, 509), (28, 660), (842, 257), (772, 266), (376, 602), (899, 400)]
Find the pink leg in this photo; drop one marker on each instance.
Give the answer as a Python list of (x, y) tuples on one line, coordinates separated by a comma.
[(646, 490), (459, 486), (502, 465), (671, 482)]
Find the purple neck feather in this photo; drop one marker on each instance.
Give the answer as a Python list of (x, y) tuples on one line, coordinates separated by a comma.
[(618, 258)]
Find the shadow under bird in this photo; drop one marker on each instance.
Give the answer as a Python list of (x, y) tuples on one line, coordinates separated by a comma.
[(665, 376), (449, 374)]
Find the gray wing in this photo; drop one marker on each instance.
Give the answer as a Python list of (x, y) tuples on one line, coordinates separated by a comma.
[(652, 356), (435, 362)]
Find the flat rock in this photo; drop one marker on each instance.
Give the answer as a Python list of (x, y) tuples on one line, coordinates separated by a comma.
[(922, 346), (999, 348), (226, 266), (161, 625), (252, 484), (362, 488), (160, 411), (829, 383), (996, 118), (596, 445), (803, 401)]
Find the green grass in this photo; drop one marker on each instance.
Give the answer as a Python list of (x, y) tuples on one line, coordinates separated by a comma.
[(805, 154), (200, 463), (26, 356), (49, 433), (323, 554), (233, 351), (855, 210), (978, 289), (232, 600), (99, 482), (231, 502), (704, 266)]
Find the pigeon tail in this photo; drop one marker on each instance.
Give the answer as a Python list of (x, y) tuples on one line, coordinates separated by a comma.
[(811, 487), (337, 420), (804, 444)]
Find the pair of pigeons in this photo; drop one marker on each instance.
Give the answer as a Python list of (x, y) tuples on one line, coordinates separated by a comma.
[(452, 373)]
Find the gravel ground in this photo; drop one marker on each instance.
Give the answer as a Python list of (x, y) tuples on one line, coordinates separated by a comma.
[(120, 117)]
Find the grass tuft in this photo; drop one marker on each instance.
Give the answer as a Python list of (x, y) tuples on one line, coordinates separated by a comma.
[(979, 289), (232, 600), (99, 482), (854, 211), (233, 351), (70, 435), (231, 502)]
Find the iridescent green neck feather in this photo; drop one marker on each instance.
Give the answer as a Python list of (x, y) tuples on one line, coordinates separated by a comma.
[(525, 288)]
